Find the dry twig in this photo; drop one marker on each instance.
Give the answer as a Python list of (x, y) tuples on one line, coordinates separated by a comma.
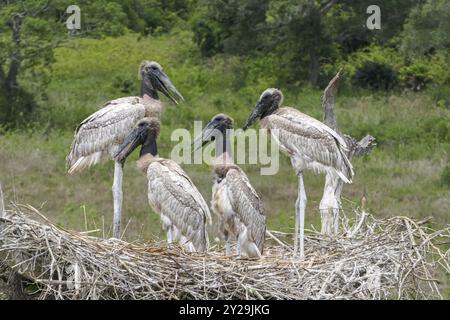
[(380, 259)]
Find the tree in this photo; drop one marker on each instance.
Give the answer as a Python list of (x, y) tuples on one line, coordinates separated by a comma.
[(311, 30), (427, 28), (229, 26), (151, 16), (300, 34), (29, 32)]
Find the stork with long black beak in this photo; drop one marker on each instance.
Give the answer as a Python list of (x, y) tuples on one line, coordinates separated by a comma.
[(183, 211), (97, 137), (234, 200), (309, 143)]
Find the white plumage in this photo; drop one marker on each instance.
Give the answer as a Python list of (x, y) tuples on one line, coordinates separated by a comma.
[(312, 144), (309, 143), (171, 193), (184, 213), (234, 200), (98, 136), (239, 209)]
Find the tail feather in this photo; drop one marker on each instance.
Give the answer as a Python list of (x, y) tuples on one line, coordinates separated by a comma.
[(84, 162), (346, 172), (348, 167), (343, 177)]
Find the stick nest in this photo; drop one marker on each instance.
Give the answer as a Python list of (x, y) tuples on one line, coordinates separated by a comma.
[(395, 257)]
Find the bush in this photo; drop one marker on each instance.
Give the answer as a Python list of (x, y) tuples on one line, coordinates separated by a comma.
[(423, 71), (415, 76), (373, 67), (377, 67), (17, 107), (375, 75)]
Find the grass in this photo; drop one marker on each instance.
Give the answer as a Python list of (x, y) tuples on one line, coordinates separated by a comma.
[(403, 176)]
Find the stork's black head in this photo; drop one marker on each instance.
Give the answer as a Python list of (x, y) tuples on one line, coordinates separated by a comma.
[(270, 100), (153, 78), (216, 128), (145, 133)]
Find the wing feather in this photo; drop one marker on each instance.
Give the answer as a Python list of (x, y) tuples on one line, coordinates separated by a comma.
[(98, 133), (321, 148), (171, 193), (247, 205)]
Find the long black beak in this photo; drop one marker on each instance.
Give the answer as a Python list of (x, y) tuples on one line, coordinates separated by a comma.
[(136, 138), (207, 135), (164, 84), (254, 116)]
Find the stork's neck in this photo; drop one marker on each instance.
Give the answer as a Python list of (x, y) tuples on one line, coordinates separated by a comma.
[(149, 147), (223, 150), (147, 89), (148, 154)]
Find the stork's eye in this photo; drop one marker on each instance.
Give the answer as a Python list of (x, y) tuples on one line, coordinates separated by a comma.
[(154, 68)]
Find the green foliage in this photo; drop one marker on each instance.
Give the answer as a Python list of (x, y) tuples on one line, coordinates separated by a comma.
[(427, 28), (154, 16), (231, 26), (283, 43), (422, 71), (302, 36), (16, 108), (373, 67), (102, 18), (375, 75), (29, 32), (385, 68)]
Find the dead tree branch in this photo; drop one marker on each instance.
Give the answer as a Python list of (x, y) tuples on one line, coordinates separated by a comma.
[(357, 148)]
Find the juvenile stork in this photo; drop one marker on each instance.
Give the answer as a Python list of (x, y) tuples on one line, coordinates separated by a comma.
[(97, 137), (234, 200), (309, 143), (183, 211)]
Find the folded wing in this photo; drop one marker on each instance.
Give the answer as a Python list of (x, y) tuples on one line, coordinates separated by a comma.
[(172, 194), (100, 132)]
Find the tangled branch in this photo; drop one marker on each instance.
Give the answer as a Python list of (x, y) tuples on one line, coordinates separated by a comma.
[(390, 258)]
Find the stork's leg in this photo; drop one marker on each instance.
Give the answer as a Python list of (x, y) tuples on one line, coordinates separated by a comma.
[(300, 207), (117, 197), (170, 234), (337, 194), (238, 247), (227, 247)]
